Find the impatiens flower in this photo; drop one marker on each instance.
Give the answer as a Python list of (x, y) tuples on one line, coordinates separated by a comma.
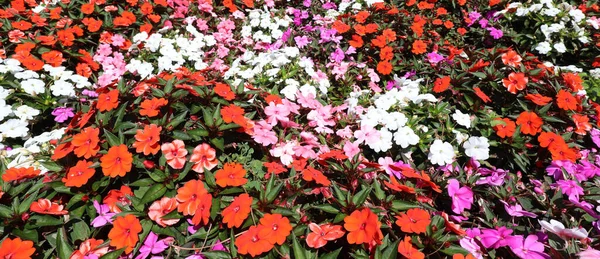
[(570, 188), (17, 174), (566, 100), (515, 81), (477, 148), (162, 207), (89, 249), (16, 248), (276, 228), (441, 84), (108, 101), (194, 200), (116, 198), (530, 123), (505, 128), (419, 47), (511, 58), (175, 153), (441, 153), (462, 197), (495, 238), (152, 246), (79, 174), (45, 206), (461, 256), (86, 142), (414, 221), (124, 233), (117, 162), (235, 214), (104, 215), (321, 234), (406, 249), (589, 253), (204, 158), (311, 174), (462, 119), (363, 227), (147, 140), (233, 113), (151, 107), (224, 91), (517, 211), (252, 242), (61, 114), (528, 248), (232, 174), (559, 229)]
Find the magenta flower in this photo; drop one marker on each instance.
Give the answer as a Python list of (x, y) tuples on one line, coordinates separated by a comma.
[(517, 211), (152, 246), (62, 114), (495, 33), (495, 238), (595, 134), (462, 197), (104, 215), (570, 188), (555, 169), (434, 57), (528, 248)]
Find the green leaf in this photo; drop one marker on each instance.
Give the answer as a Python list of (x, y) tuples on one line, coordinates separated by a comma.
[(361, 196), (5, 211), (327, 208), (197, 134), (299, 251), (391, 251), (216, 255), (80, 230), (155, 192), (112, 139), (219, 143), (399, 205), (274, 192), (62, 244), (114, 254), (331, 255), (44, 221)]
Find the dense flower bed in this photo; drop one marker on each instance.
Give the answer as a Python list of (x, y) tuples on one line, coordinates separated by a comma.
[(299, 129)]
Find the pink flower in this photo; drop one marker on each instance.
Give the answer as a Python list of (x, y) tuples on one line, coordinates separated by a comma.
[(495, 238), (366, 134), (162, 207), (263, 133), (175, 153), (153, 246), (462, 197), (528, 248), (517, 211), (351, 149), (205, 158), (276, 112), (570, 188), (590, 253)]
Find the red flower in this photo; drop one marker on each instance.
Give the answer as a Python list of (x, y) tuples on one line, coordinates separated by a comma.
[(277, 228), (45, 206), (414, 221), (441, 84), (108, 101), (566, 101), (237, 211), (515, 81), (320, 235), (363, 227), (530, 123)]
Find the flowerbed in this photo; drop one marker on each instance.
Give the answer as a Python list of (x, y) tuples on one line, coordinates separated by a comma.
[(300, 129)]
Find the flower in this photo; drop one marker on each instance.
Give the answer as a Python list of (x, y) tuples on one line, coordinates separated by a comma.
[(118, 197), (146, 140), (194, 200), (515, 81), (117, 162), (61, 114), (232, 174), (237, 211), (528, 248), (495, 238), (175, 153), (45, 206), (224, 91), (413, 221), (204, 157), (462, 118), (152, 246), (517, 211), (543, 47), (441, 84), (441, 153), (124, 233), (363, 227), (505, 128), (17, 174), (108, 101), (89, 249), (276, 228), (311, 174), (104, 216), (511, 58), (406, 249), (79, 174), (16, 248), (419, 47), (152, 106), (233, 113), (384, 67), (530, 123), (538, 99), (566, 101), (162, 207), (477, 147), (321, 234), (462, 197), (251, 242), (86, 142), (559, 229)]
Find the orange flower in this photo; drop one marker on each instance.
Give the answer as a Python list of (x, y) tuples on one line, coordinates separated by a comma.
[(406, 249), (582, 122), (363, 227), (361, 16), (45, 206), (202, 213), (86, 142), (151, 107), (573, 81), (414, 221), (441, 84), (79, 174), (479, 65), (563, 152), (461, 256), (384, 67), (124, 233), (114, 198), (92, 24), (311, 174), (117, 162), (160, 208), (204, 157), (237, 211), (146, 140), (505, 129), (566, 101), (232, 174), (21, 25), (274, 168), (511, 58), (175, 153), (386, 53), (550, 139), (320, 235), (277, 228), (88, 8), (17, 174), (16, 248), (530, 123), (90, 247), (53, 58), (419, 47), (481, 95), (394, 185), (108, 101), (356, 41), (251, 242), (189, 195), (340, 27), (224, 91), (32, 63), (538, 99), (515, 81), (233, 113)]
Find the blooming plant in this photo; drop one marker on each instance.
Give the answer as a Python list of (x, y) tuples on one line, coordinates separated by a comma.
[(299, 129)]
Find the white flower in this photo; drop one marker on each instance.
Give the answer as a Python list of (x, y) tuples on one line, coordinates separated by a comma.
[(560, 47), (13, 65), (384, 143), (521, 11), (441, 153), (405, 137), (462, 118), (33, 86), (5, 110), (63, 88), (595, 73), (395, 120), (559, 229), (551, 11), (25, 112), (284, 152), (4, 93), (290, 91), (577, 15), (27, 74), (460, 137), (477, 147), (14, 128), (543, 47)]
